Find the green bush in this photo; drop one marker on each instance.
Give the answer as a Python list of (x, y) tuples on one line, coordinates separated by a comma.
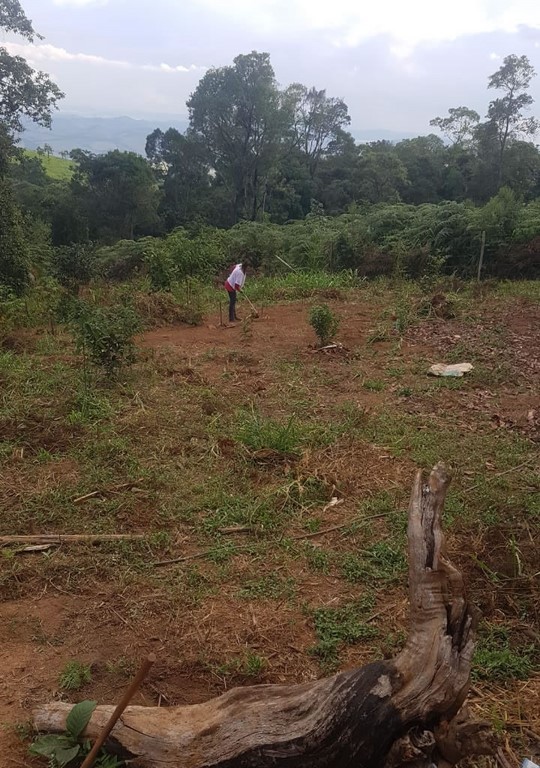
[(324, 322), (74, 264), (14, 273), (105, 336)]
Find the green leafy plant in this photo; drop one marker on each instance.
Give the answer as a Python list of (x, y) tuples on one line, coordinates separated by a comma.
[(105, 336), (324, 322), (74, 676), (62, 749)]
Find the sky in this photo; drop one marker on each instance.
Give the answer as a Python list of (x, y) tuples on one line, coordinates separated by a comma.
[(396, 64)]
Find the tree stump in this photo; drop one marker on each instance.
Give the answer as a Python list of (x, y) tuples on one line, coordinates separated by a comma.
[(409, 710)]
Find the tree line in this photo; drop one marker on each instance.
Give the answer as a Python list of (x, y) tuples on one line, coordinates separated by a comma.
[(253, 152)]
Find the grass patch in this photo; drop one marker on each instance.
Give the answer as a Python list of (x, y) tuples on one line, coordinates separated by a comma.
[(258, 433), (318, 559), (250, 665), (55, 167), (381, 562), (374, 385), (497, 658), (338, 627), (272, 586)]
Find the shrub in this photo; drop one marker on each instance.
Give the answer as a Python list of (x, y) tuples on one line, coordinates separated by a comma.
[(14, 273), (162, 308), (324, 322), (74, 264), (105, 336)]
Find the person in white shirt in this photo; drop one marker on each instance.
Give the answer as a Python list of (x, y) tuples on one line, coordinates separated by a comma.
[(234, 284)]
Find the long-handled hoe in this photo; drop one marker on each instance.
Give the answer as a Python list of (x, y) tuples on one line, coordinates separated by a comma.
[(254, 311)]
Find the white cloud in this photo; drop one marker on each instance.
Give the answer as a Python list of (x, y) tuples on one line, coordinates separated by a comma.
[(37, 54), (350, 22), (80, 3)]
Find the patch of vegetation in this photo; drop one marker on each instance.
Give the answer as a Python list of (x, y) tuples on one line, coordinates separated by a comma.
[(250, 665), (324, 322), (381, 562), (258, 433), (318, 559), (105, 336), (374, 385), (497, 658), (65, 749), (337, 627), (271, 586), (56, 168), (74, 676)]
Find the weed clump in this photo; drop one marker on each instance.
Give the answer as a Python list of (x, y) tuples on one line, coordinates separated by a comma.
[(74, 676), (324, 322)]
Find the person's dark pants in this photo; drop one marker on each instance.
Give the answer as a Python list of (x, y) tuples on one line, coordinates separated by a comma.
[(232, 306)]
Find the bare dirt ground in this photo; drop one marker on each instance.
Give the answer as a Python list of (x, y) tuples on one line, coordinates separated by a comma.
[(244, 613)]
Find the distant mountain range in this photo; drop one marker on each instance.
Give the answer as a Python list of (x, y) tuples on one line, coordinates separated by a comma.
[(96, 134), (101, 134)]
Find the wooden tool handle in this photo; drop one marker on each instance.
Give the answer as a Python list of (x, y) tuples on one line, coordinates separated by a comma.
[(126, 698)]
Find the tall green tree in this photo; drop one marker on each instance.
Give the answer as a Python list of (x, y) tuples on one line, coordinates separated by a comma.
[(424, 160), (459, 126), (24, 93), (506, 113), (181, 165), (316, 121), (236, 112), (118, 192), (382, 176)]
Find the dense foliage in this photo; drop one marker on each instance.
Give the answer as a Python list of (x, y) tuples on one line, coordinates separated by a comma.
[(272, 175)]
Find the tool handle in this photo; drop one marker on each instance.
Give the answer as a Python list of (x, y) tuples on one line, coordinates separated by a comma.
[(126, 698)]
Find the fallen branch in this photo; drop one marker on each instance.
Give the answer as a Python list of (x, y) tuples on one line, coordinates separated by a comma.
[(348, 524), (130, 486), (61, 538), (390, 713)]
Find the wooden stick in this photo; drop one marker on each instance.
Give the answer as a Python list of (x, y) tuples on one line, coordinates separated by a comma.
[(128, 695), (481, 259), (286, 264), (106, 491), (253, 307), (59, 538), (206, 552), (348, 524)]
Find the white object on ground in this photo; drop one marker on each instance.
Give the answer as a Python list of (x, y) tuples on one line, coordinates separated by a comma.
[(458, 369)]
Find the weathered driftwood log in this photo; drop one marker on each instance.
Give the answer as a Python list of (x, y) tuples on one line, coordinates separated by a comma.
[(405, 711)]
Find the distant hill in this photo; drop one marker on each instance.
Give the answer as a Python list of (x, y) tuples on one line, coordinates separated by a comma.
[(55, 167), (101, 134), (95, 134)]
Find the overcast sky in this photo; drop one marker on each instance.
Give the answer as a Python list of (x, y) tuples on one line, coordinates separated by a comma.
[(395, 63)]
